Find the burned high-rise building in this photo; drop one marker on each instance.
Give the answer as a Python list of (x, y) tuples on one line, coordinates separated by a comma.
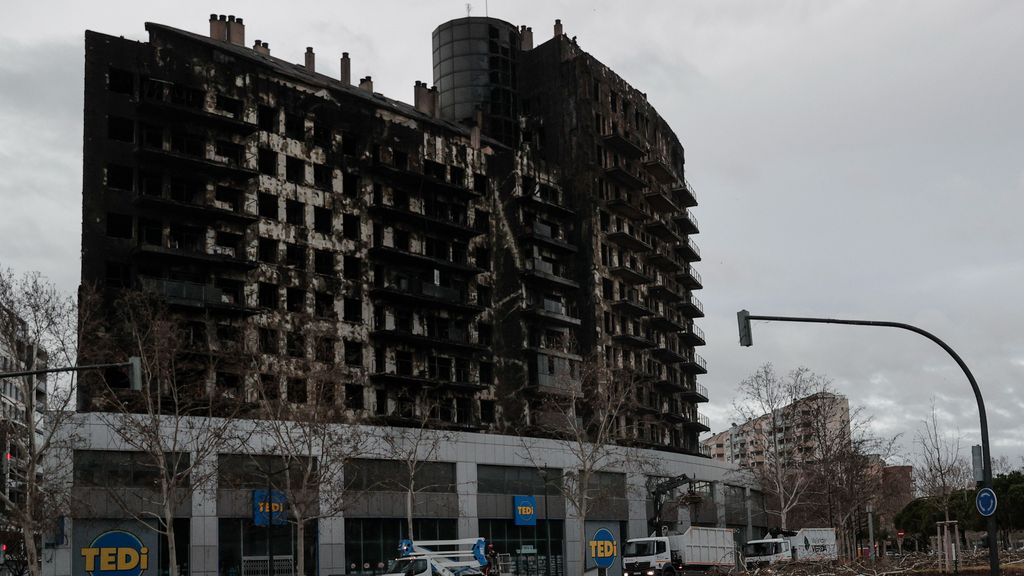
[(486, 261), (467, 258)]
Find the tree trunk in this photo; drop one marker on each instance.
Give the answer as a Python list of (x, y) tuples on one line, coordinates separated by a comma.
[(172, 547), (300, 545), (408, 510), (31, 558)]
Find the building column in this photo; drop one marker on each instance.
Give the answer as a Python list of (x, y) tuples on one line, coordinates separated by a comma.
[(203, 548), (718, 497), (331, 534), (465, 479), (573, 547), (331, 530), (636, 489)]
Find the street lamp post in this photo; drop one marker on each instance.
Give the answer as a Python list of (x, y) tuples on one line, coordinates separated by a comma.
[(746, 339)]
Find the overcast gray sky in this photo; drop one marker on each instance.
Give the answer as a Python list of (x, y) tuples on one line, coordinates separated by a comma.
[(852, 159)]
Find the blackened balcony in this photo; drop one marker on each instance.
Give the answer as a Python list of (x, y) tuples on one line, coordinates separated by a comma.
[(622, 144), (554, 312), (163, 109), (663, 260), (623, 177), (670, 383), (552, 372), (539, 269), (544, 234), (551, 205), (697, 421), (631, 307), (668, 353), (695, 393), (451, 339), (666, 289), (684, 195), (637, 341), (188, 162), (631, 274), (686, 222), (406, 177), (456, 225), (626, 208), (630, 239), (691, 307), (388, 253), (660, 170), (661, 202), (662, 230), (228, 258), (198, 211), (195, 295), (693, 335), (690, 279), (688, 251), (666, 322), (694, 364), (426, 294)]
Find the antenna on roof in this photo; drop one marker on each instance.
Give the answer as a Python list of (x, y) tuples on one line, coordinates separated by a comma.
[(469, 8), (487, 11)]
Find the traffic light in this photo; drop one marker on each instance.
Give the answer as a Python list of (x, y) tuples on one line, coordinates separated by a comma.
[(135, 373), (3, 553), (743, 318)]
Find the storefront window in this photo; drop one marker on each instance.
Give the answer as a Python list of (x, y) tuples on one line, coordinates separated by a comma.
[(240, 540), (370, 543), (536, 549)]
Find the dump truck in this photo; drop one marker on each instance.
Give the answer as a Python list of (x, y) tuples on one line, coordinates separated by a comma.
[(463, 557), (809, 544), (695, 550)]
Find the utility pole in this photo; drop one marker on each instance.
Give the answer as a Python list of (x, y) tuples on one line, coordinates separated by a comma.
[(744, 317)]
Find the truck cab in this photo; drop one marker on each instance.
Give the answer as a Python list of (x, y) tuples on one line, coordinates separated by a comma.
[(768, 551), (646, 556)]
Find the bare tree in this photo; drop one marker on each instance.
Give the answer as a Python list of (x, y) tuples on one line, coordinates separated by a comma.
[(37, 331), (940, 468), (312, 443), (776, 430), (175, 421), (589, 423), (414, 446)]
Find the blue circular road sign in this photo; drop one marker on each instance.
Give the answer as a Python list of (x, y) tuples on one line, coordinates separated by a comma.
[(602, 548), (986, 502)]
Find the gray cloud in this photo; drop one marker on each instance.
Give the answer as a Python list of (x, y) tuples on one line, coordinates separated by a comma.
[(851, 159)]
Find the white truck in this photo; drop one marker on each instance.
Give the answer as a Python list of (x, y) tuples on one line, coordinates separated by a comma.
[(697, 549), (810, 544), (463, 557)]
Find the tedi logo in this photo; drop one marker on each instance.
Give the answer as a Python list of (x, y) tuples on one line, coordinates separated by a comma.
[(116, 553)]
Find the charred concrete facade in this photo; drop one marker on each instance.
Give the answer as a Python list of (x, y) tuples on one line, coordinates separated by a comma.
[(460, 259)]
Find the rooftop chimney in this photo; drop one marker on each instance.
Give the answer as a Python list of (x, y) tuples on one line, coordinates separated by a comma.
[(525, 38), (218, 27), (236, 31), (558, 28), (346, 69), (310, 59), (261, 48), (435, 102), (423, 100), (366, 84), (474, 132)]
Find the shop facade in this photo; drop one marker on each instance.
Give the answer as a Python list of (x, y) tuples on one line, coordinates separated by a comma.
[(476, 485)]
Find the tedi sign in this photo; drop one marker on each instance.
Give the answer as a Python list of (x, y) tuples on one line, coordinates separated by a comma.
[(116, 553)]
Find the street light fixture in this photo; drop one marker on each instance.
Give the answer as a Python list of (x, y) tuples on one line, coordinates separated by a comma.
[(744, 317)]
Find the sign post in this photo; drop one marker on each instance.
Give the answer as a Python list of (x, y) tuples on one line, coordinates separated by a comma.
[(899, 540)]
